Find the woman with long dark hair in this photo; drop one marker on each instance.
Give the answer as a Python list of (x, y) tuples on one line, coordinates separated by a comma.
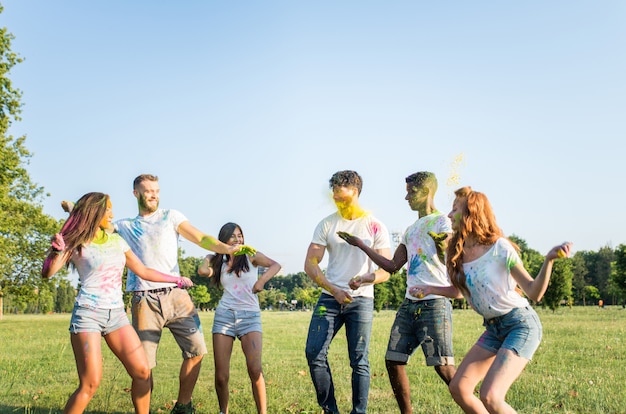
[(99, 257), (238, 314)]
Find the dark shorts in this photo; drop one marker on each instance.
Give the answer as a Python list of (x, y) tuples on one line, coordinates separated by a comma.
[(425, 323)]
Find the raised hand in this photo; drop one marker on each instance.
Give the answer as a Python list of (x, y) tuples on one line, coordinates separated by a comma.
[(440, 243), (350, 239), (245, 249), (57, 242), (561, 251)]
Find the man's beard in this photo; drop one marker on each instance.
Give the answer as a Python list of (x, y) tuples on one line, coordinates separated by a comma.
[(143, 204)]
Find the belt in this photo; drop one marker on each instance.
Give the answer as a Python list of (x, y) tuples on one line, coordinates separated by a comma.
[(160, 291)]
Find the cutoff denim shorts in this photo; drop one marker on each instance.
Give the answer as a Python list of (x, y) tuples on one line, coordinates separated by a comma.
[(236, 323), (89, 319), (519, 331)]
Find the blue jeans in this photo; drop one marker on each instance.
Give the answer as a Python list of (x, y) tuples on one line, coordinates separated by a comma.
[(328, 317)]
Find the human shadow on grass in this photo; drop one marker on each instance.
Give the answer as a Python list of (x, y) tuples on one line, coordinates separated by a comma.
[(11, 409)]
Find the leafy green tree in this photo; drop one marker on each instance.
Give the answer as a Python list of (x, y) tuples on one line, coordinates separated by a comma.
[(618, 275), (381, 296), (200, 296), (25, 233), (592, 293), (599, 266), (579, 280), (532, 259), (66, 294), (560, 286)]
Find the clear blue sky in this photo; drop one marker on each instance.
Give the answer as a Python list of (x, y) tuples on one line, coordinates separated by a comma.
[(245, 109)]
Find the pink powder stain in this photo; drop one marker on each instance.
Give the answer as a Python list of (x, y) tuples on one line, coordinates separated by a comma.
[(374, 228)]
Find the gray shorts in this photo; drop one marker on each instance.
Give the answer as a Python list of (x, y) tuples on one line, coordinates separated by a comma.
[(425, 323), (89, 319), (236, 323), (170, 308)]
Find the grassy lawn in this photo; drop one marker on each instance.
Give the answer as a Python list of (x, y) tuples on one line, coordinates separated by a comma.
[(579, 367)]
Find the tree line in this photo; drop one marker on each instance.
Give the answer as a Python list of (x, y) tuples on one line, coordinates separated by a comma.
[(25, 233)]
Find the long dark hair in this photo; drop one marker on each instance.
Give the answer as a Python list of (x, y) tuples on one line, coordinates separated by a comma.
[(84, 221), (240, 263)]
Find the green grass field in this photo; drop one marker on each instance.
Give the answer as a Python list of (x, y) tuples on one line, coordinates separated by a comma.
[(579, 367)]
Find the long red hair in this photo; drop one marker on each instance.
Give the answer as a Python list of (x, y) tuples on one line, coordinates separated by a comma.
[(477, 220)]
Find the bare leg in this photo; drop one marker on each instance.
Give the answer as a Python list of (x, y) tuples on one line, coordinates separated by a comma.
[(222, 350), (506, 368), (125, 344), (189, 372), (88, 356), (252, 345), (400, 385), (471, 371), (446, 372)]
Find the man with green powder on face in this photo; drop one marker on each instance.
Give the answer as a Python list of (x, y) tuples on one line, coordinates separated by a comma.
[(424, 321)]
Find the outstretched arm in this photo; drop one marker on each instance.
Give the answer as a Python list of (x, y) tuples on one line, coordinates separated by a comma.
[(382, 260), (146, 273), (535, 288), (209, 242), (420, 291)]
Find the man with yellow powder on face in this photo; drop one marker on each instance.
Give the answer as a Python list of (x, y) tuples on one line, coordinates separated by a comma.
[(347, 290)]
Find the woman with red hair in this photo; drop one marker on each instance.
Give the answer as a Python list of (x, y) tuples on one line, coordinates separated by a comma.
[(485, 267)]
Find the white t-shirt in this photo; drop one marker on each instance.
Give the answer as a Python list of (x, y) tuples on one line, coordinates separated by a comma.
[(238, 290), (100, 268), (490, 282), (154, 239), (346, 261), (423, 264)]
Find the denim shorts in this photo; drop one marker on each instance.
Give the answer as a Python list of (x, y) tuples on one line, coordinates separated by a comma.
[(519, 331), (236, 323), (105, 321), (425, 323)]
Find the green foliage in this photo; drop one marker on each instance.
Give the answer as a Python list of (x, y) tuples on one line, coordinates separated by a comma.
[(560, 287), (532, 259), (618, 274), (200, 296)]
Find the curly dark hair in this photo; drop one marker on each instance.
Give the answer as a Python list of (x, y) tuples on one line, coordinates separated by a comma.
[(346, 178)]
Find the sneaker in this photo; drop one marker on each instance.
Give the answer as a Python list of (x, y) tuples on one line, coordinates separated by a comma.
[(183, 408)]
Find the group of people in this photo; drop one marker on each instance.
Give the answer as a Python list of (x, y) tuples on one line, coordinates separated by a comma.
[(99, 249), (462, 254)]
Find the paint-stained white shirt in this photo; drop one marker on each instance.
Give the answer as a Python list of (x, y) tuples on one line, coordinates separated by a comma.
[(490, 282), (346, 261), (100, 268), (238, 293), (423, 264), (154, 239)]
